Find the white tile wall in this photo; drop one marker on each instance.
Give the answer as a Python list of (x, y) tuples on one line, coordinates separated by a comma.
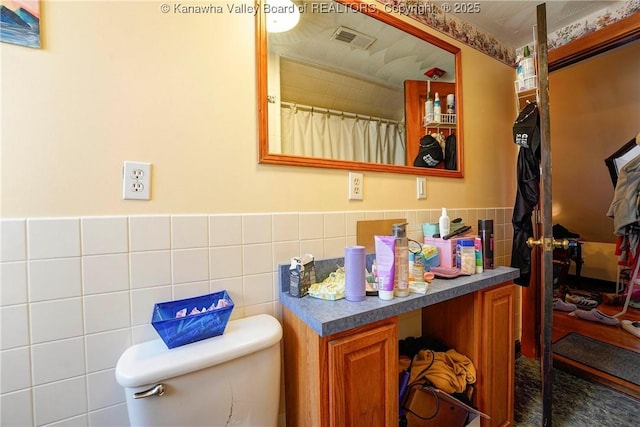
[(76, 292), (105, 273), (104, 235), (54, 278), (189, 232), (53, 238), (17, 408), (148, 233), (14, 325), (57, 360), (190, 265), (13, 276), (13, 238), (59, 400), (16, 369)]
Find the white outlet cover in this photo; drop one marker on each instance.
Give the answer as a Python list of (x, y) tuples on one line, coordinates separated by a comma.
[(136, 181), (356, 186)]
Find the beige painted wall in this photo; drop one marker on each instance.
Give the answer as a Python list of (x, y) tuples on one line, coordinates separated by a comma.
[(595, 109), (119, 81)]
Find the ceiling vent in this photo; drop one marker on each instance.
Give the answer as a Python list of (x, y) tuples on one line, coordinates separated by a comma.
[(353, 38)]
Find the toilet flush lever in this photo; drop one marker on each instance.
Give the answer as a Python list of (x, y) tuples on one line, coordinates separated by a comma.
[(156, 390)]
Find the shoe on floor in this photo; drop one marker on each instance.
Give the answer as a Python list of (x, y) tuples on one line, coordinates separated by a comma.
[(558, 304), (596, 315), (580, 301), (613, 299), (632, 327)]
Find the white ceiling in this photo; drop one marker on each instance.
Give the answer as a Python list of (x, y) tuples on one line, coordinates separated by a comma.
[(512, 22)]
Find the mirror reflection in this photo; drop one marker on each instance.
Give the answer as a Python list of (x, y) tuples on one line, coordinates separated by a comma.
[(348, 90)]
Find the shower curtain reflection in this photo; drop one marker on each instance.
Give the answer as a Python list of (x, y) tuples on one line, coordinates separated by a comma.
[(313, 132)]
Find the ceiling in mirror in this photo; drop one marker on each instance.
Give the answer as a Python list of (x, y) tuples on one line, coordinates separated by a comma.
[(335, 53)]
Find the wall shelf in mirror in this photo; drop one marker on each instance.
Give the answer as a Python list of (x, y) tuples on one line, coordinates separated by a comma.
[(447, 121), (306, 66)]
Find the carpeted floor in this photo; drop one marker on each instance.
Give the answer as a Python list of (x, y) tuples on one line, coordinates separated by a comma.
[(576, 402)]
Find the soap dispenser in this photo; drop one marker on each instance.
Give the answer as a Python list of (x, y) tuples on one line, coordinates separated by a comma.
[(443, 223)]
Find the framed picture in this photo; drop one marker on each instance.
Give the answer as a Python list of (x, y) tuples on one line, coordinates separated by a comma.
[(20, 22), (617, 160)]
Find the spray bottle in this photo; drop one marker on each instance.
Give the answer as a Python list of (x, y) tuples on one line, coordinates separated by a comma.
[(437, 109)]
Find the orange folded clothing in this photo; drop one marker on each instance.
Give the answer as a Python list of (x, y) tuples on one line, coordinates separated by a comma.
[(448, 371)]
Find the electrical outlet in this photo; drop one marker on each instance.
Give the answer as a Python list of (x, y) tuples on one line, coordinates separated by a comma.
[(356, 186), (136, 181), (421, 187)]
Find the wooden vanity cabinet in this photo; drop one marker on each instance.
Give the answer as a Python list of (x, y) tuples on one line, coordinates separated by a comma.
[(341, 380), (351, 378), (480, 325)]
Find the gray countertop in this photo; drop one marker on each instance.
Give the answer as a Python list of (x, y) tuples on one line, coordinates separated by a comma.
[(330, 317)]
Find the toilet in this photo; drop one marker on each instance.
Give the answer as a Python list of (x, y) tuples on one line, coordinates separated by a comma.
[(231, 379)]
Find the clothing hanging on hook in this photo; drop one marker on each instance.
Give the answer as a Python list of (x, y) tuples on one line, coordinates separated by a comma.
[(526, 134)]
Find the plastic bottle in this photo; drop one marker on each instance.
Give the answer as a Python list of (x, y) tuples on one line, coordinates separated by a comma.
[(485, 230), (466, 256), (477, 244), (443, 223), (428, 109), (451, 103), (354, 273), (437, 109), (418, 268), (401, 283), (520, 74), (412, 258)]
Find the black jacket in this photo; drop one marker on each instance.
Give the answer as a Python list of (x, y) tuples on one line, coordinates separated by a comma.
[(526, 132)]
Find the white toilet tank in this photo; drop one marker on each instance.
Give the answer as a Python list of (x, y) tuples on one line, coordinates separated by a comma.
[(229, 380)]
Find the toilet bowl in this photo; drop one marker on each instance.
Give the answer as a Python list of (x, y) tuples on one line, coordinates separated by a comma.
[(231, 379)]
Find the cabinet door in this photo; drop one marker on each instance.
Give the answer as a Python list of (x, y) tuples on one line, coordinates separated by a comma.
[(363, 378), (498, 349)]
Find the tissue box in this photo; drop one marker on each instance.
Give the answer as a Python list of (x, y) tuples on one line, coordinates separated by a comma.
[(193, 327)]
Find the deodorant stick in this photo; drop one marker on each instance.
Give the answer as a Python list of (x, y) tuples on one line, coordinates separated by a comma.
[(354, 273)]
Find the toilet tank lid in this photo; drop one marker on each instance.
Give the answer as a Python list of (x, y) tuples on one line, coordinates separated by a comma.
[(152, 361)]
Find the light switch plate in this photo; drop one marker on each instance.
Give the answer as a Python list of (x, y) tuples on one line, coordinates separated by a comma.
[(421, 187)]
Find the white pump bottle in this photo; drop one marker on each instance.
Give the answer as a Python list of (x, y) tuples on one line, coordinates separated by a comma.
[(444, 223)]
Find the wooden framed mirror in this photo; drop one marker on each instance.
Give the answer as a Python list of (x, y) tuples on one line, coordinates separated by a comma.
[(295, 75)]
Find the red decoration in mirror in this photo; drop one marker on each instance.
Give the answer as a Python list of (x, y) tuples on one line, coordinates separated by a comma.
[(434, 73)]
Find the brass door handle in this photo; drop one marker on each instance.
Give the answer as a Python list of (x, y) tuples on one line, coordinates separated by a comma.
[(548, 243)]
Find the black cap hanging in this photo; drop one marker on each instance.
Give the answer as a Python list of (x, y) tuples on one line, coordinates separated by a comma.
[(430, 153), (526, 129)]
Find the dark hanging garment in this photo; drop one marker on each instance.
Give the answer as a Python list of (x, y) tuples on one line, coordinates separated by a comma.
[(450, 161), (526, 134)]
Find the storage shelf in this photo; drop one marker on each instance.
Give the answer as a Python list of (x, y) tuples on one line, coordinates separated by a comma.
[(447, 121), (527, 95)]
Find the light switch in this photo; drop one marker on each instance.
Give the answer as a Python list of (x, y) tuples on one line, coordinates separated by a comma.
[(421, 187)]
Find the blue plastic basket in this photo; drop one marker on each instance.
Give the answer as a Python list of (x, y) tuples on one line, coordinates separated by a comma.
[(193, 327)]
